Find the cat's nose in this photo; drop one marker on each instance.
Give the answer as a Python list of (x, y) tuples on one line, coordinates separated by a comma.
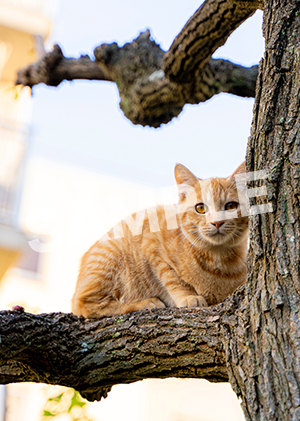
[(218, 224)]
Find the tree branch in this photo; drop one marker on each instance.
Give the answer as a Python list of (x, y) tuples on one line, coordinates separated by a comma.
[(154, 86), (147, 96), (203, 34), (92, 356), (52, 68)]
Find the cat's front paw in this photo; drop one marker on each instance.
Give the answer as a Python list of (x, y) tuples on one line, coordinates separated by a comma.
[(153, 302), (193, 301)]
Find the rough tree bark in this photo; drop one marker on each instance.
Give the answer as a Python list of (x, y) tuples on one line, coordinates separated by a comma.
[(266, 373), (154, 86), (253, 338), (92, 356)]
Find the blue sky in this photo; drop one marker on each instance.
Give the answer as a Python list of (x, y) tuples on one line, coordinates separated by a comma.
[(80, 123)]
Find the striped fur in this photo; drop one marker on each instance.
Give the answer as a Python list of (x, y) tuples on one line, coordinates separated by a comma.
[(199, 263)]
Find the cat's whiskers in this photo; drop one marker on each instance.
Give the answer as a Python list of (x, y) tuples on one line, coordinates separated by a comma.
[(197, 241), (193, 244), (158, 269), (176, 238), (189, 232), (237, 233)]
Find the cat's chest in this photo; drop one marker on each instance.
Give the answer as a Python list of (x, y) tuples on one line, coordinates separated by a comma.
[(213, 283)]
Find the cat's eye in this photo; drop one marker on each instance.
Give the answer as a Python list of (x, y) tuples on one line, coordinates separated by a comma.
[(231, 206), (201, 208)]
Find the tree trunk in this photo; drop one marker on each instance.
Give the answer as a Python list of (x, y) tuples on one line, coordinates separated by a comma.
[(264, 350)]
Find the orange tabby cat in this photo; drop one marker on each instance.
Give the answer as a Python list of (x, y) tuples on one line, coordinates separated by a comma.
[(184, 256)]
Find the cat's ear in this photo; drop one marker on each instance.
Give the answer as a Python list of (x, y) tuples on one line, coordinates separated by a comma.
[(240, 170), (239, 178), (184, 176), (185, 180)]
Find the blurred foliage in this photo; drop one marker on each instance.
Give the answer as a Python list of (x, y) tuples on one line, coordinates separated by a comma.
[(13, 91), (68, 406)]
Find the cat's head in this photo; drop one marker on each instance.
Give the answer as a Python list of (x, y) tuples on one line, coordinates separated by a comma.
[(212, 212)]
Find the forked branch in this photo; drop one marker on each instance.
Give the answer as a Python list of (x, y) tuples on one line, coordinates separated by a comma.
[(154, 86)]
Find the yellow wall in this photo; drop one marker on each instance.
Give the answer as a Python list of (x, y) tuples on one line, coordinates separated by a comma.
[(20, 21), (7, 259), (18, 50)]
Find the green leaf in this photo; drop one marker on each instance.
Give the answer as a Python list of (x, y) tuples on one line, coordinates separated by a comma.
[(48, 414), (56, 399), (76, 401)]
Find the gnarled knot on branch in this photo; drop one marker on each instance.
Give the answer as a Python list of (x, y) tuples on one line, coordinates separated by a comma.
[(154, 85)]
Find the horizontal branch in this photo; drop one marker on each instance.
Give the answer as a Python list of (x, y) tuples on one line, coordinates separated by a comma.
[(92, 356), (228, 77), (53, 68), (148, 97), (154, 86)]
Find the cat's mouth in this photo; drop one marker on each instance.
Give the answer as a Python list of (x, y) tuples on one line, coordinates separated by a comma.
[(216, 234), (216, 237)]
